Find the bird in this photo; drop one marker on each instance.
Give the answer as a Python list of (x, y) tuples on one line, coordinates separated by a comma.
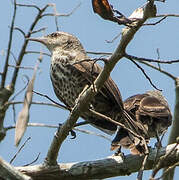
[(151, 113), (71, 70)]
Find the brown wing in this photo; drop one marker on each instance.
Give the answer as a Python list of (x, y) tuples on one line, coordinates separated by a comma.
[(151, 113), (153, 107), (90, 71), (133, 102), (126, 140)]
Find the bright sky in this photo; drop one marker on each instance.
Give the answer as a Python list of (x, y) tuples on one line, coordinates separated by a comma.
[(93, 33)]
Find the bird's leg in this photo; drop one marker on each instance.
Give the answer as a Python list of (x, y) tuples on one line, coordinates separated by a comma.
[(119, 153), (72, 132)]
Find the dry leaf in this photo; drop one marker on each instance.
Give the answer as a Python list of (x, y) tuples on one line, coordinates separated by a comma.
[(102, 8), (105, 10), (23, 116)]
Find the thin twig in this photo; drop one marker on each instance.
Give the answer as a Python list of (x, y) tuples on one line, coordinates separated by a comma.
[(115, 122), (48, 125), (29, 5), (61, 15), (37, 52), (147, 77), (39, 30), (23, 49), (33, 161), (158, 54), (166, 15), (153, 24), (3, 77), (21, 67), (19, 150), (58, 104), (160, 70), (151, 60), (56, 17), (92, 133), (13, 55), (20, 30), (89, 60), (14, 113), (99, 53), (158, 148), (57, 126), (140, 59), (33, 102), (20, 91), (116, 37)]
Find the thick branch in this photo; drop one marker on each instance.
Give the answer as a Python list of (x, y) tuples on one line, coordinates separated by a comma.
[(104, 168), (174, 131), (9, 172), (5, 93)]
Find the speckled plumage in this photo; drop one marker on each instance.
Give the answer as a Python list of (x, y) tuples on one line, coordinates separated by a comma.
[(69, 76)]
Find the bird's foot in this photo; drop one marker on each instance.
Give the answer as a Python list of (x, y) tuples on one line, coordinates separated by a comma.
[(119, 153), (72, 132)]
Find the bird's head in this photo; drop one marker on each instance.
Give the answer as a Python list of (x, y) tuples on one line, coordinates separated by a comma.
[(61, 40)]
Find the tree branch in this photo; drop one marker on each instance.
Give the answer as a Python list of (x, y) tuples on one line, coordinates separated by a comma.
[(9, 172), (104, 168), (151, 60), (174, 131), (160, 70), (23, 49), (9, 48), (57, 126), (56, 14)]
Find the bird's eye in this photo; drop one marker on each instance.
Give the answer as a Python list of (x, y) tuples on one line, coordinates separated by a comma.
[(54, 35)]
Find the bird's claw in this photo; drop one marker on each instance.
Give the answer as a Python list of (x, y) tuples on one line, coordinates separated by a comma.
[(119, 153), (72, 132)]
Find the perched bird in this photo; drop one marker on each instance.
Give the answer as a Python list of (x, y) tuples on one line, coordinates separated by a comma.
[(72, 70), (152, 116)]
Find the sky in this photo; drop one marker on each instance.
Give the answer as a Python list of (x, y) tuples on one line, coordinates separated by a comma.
[(93, 33)]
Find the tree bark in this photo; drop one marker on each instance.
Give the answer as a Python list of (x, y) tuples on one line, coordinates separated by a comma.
[(105, 168)]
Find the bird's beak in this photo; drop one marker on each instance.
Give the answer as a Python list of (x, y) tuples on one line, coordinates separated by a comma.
[(42, 40)]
